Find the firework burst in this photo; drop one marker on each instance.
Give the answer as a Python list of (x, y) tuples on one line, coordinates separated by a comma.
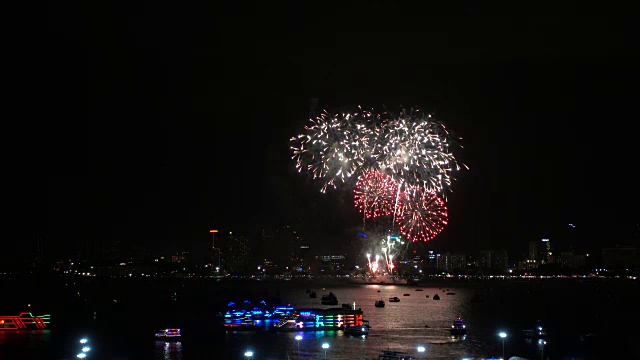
[(422, 214), (374, 194), (415, 149), (335, 147)]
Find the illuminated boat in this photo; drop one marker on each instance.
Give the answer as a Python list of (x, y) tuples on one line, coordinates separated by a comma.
[(394, 299), (379, 303), (246, 316), (362, 330), (458, 327), (320, 320), (169, 335), (25, 321)]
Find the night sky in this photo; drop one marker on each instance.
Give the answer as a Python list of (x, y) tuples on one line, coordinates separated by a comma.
[(176, 118)]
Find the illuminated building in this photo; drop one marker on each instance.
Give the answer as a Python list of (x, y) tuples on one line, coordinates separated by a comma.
[(494, 260), (567, 259), (540, 250), (458, 261), (621, 257), (236, 255)]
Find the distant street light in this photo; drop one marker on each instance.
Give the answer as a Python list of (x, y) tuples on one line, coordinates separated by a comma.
[(248, 354), (298, 338), (542, 352), (503, 335), (325, 346)]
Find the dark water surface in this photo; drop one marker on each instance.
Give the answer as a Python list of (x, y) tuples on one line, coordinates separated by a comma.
[(585, 319)]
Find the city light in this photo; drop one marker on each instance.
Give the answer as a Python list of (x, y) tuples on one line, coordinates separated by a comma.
[(502, 335), (85, 349), (82, 355), (83, 341), (325, 346), (298, 338), (248, 353), (421, 349)]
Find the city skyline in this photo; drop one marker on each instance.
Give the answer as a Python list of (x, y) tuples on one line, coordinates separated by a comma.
[(163, 154)]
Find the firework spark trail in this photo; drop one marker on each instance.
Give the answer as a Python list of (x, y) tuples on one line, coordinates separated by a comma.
[(423, 214), (374, 194), (334, 147)]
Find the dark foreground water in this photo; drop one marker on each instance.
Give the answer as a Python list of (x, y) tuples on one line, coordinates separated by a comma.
[(586, 319)]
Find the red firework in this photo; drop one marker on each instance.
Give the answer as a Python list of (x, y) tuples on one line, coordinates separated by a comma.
[(375, 194), (422, 214)]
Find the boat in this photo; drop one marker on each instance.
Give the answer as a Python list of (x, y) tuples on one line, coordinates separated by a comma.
[(169, 335), (536, 333), (319, 320), (248, 316), (436, 297), (451, 293), (24, 320), (379, 303), (458, 327), (312, 294), (418, 289), (329, 299), (406, 294), (394, 355), (354, 330), (394, 299)]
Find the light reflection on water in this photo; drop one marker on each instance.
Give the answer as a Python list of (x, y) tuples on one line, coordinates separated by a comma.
[(415, 321), (168, 350)]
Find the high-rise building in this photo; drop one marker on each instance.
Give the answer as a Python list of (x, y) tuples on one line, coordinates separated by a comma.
[(494, 260), (621, 257), (458, 261), (540, 250), (236, 253)]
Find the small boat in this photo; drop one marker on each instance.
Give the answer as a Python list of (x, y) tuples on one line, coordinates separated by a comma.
[(169, 335), (458, 327), (436, 297), (379, 303), (418, 289), (394, 355), (427, 295), (406, 294), (378, 290), (394, 299), (451, 293), (312, 294), (329, 299), (357, 330)]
